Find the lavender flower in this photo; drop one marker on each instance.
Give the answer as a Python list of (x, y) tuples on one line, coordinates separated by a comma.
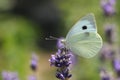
[(110, 33), (34, 62), (9, 75), (105, 75), (116, 65), (108, 7), (61, 60), (109, 10), (107, 53), (5, 75)]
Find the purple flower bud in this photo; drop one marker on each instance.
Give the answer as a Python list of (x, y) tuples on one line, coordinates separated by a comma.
[(69, 75), (34, 62), (60, 76), (52, 60), (53, 57), (104, 75), (66, 73), (60, 44), (108, 7), (116, 65), (58, 52), (109, 10), (110, 33), (73, 59)]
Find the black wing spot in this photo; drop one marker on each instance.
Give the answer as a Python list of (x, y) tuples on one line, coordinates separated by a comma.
[(84, 27)]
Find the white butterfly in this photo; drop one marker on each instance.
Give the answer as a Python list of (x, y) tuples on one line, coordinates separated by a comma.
[(83, 38)]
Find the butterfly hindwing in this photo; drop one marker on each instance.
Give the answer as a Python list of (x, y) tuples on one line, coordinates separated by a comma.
[(85, 45)]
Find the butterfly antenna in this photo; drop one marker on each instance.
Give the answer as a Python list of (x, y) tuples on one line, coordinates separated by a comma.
[(48, 39), (51, 38)]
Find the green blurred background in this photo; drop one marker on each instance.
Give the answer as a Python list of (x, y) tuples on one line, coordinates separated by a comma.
[(21, 34)]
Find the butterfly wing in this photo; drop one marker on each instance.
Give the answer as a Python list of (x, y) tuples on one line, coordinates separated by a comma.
[(83, 38), (88, 20)]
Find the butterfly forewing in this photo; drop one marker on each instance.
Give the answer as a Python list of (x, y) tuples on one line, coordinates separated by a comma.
[(88, 21)]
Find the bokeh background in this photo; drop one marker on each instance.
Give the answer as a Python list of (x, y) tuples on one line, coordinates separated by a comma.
[(24, 25)]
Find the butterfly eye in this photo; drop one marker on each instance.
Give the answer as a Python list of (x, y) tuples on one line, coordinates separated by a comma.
[(84, 27)]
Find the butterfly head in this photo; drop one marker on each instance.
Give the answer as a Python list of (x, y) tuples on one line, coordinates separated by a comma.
[(63, 41)]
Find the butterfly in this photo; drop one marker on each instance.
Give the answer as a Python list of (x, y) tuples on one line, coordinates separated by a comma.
[(83, 39)]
